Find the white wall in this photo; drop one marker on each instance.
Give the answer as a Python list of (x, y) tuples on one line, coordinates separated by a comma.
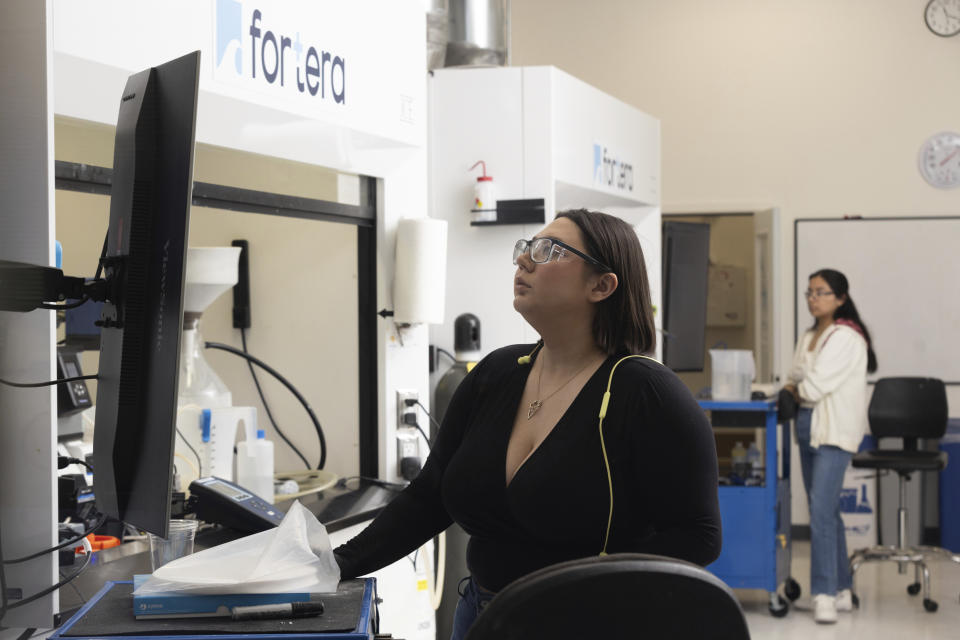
[(817, 108)]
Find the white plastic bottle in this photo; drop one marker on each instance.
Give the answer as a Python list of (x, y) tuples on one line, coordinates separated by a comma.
[(484, 207), (255, 466)]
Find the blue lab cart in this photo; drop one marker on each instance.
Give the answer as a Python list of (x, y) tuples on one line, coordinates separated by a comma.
[(950, 488), (756, 519)]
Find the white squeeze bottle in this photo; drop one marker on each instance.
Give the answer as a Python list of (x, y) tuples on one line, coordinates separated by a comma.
[(255, 466)]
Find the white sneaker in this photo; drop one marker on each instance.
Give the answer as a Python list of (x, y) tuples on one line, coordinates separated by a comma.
[(824, 608), (845, 600)]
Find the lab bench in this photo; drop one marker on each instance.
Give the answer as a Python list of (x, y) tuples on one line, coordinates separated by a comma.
[(756, 519), (349, 614), (111, 570)]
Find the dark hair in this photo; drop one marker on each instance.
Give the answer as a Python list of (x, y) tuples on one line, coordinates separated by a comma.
[(841, 288), (624, 320)]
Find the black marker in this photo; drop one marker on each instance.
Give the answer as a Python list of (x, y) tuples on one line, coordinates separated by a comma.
[(275, 611)]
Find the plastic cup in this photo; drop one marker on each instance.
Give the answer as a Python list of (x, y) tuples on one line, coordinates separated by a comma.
[(177, 545)]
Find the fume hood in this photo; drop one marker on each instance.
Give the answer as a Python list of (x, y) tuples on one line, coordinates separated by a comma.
[(542, 134)]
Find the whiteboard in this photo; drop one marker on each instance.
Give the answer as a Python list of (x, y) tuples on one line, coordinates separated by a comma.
[(904, 276)]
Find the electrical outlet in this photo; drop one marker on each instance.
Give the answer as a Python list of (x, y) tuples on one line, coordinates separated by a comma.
[(408, 439), (402, 409), (408, 445)]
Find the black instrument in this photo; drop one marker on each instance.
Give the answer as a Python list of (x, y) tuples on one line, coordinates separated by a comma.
[(221, 502)]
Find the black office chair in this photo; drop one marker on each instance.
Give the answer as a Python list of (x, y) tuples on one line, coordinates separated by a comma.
[(617, 596), (908, 408)]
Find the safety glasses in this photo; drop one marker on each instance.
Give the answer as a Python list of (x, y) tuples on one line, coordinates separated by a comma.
[(543, 250)]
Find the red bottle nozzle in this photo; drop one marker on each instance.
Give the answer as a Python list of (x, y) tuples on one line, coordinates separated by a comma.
[(483, 166)]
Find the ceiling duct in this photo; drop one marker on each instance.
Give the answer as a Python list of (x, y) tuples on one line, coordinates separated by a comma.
[(437, 29), (479, 32)]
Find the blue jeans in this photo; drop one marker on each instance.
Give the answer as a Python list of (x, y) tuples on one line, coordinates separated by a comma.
[(823, 468), (473, 600)]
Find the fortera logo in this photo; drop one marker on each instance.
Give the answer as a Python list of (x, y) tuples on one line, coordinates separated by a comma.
[(228, 34), (611, 172), (274, 58)]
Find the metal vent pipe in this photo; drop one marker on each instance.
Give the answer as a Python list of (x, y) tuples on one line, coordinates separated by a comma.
[(479, 32)]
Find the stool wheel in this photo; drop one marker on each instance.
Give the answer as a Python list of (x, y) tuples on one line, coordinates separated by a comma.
[(791, 589), (855, 599), (929, 605), (913, 589), (780, 609)]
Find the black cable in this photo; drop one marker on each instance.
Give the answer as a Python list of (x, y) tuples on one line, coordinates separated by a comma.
[(195, 454), (417, 427), (263, 399), (435, 423), (446, 353), (306, 405), (96, 525), (51, 589), (65, 461), (395, 486), (27, 633), (62, 307), (26, 385), (103, 254)]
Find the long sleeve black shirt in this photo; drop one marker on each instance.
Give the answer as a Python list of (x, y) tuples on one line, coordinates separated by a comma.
[(663, 465)]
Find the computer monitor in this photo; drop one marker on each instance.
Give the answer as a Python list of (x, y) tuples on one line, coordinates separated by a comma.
[(142, 291), (142, 318), (686, 264)]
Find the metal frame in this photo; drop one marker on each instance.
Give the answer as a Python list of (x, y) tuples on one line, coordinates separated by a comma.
[(902, 555), (72, 176)]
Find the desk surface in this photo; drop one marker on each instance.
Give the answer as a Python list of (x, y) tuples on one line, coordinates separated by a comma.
[(336, 508), (110, 614)]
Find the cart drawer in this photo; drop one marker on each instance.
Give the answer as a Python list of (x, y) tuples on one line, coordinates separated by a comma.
[(747, 559)]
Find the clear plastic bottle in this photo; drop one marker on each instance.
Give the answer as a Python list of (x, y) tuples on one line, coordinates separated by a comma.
[(200, 386), (754, 460), (255, 466), (738, 458)]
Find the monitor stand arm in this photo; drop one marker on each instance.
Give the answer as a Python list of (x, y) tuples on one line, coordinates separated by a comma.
[(25, 287)]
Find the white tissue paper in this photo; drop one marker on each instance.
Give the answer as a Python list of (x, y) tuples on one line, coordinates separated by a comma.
[(294, 557)]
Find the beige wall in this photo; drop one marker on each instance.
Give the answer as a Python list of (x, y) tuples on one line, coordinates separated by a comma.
[(816, 107), (303, 289)]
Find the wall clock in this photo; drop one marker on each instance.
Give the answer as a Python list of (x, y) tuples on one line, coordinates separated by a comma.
[(943, 17), (939, 160)]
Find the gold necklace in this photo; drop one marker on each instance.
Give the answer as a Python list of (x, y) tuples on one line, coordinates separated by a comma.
[(536, 404)]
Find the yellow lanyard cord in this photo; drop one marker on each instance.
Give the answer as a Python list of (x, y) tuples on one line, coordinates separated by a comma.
[(603, 446)]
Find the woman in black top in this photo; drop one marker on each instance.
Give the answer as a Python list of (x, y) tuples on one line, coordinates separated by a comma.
[(520, 462)]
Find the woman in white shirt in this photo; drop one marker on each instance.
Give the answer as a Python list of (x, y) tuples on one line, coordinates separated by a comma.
[(829, 379)]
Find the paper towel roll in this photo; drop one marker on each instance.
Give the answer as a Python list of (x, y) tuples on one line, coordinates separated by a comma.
[(421, 274)]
